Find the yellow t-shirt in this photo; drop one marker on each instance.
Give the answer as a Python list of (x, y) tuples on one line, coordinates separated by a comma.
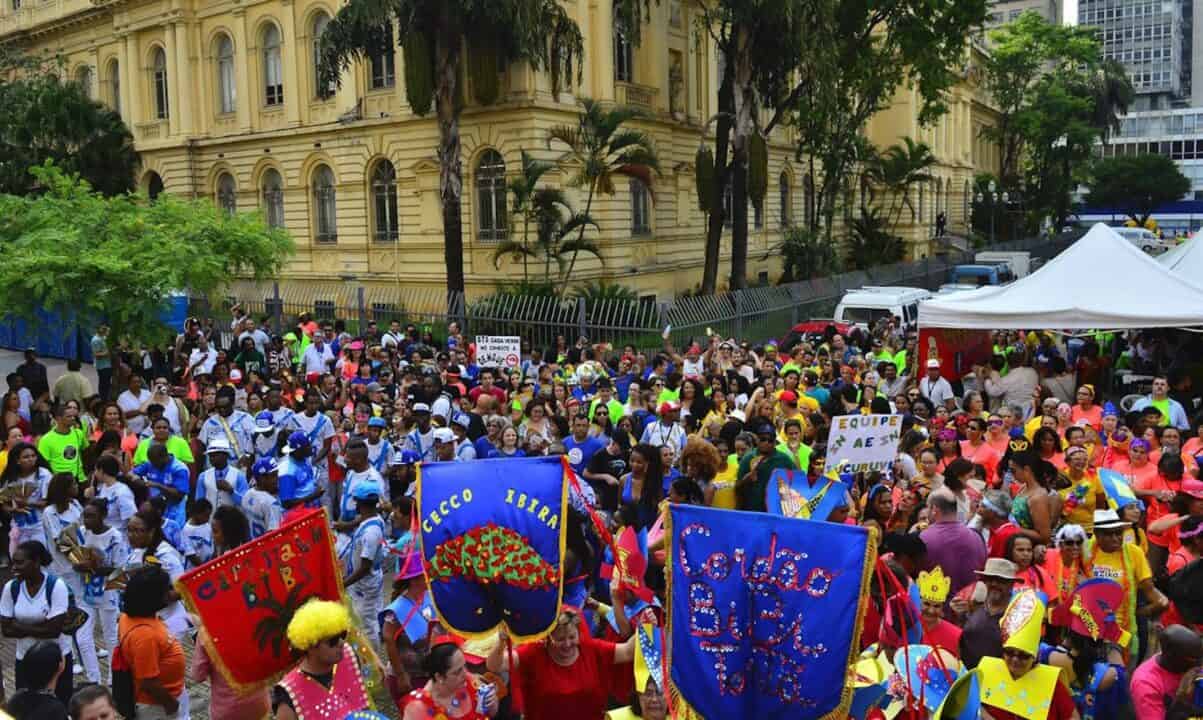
[(1085, 490), (1111, 567), (724, 484)]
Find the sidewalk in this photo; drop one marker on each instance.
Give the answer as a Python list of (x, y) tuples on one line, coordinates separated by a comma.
[(55, 368)]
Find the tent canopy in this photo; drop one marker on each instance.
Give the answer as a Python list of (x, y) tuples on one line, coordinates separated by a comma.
[(1101, 281), (1185, 260)]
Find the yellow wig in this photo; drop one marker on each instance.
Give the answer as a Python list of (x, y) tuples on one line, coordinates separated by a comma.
[(317, 620)]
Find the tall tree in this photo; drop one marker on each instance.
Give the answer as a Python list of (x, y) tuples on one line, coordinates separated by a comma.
[(1136, 184), (435, 34), (894, 171), (852, 70), (44, 118), (598, 149), (72, 250)]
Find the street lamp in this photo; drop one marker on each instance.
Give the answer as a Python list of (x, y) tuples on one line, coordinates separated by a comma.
[(991, 198)]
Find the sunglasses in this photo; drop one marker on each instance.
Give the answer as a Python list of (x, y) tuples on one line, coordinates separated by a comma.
[(1071, 543)]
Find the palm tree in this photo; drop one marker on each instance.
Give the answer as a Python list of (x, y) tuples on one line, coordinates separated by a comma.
[(1113, 95), (435, 35), (523, 190), (896, 170), (600, 149)]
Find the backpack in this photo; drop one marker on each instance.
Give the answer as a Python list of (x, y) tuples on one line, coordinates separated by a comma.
[(75, 617)]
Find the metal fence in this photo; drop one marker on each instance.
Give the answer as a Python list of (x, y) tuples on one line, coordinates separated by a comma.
[(757, 313)]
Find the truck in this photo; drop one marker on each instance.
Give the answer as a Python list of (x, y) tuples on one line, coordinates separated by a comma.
[(1020, 262), (981, 275), (869, 304)]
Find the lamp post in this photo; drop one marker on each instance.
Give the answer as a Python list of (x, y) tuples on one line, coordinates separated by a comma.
[(991, 198)]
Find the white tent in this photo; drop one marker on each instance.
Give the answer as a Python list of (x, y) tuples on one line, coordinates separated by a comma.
[(1101, 281), (1186, 260)]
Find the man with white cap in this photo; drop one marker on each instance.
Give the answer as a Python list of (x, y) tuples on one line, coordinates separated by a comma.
[(1127, 565), (464, 449), (265, 434), (936, 388), (444, 445), (220, 483), (421, 438), (235, 426)]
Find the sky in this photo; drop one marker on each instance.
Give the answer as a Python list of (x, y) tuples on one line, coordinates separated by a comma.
[(1069, 12)]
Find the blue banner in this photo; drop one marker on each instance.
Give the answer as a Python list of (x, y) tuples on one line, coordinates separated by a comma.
[(764, 613), (492, 543), (790, 493)]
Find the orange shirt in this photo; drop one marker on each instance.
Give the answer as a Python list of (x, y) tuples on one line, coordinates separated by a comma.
[(1093, 416), (1158, 509), (983, 455), (151, 651)]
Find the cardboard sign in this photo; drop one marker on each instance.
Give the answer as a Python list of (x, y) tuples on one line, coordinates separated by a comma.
[(864, 443), (957, 350), (246, 598), (498, 351), (764, 613)]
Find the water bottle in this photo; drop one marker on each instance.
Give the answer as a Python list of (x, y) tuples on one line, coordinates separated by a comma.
[(484, 693)]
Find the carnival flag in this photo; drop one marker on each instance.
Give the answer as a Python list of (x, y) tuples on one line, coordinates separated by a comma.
[(792, 494), (246, 597), (764, 613), (493, 542), (1115, 486)]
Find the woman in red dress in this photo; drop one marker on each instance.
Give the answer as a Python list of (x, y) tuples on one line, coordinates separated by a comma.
[(451, 692)]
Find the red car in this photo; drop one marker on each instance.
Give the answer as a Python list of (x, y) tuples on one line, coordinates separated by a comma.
[(811, 329)]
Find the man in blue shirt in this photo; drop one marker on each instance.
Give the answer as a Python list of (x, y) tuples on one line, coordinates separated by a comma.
[(164, 475), (581, 448), (298, 482)]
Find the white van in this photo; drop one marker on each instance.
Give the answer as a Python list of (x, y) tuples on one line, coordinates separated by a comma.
[(869, 304), (1145, 239)]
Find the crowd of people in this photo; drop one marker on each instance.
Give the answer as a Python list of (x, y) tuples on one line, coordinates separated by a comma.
[(185, 454)]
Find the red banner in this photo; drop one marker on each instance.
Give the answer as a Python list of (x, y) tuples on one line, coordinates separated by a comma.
[(246, 597), (957, 350)]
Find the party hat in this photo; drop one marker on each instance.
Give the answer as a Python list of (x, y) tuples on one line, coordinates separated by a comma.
[(649, 656), (1023, 621), (1115, 486), (934, 585)]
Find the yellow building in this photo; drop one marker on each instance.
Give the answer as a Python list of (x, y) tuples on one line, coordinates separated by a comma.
[(223, 102)]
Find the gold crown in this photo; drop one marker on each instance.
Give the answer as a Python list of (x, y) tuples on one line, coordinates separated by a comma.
[(1019, 445), (934, 586)]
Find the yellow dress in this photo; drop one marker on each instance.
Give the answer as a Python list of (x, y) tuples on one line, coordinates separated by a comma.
[(724, 485), (1029, 697)]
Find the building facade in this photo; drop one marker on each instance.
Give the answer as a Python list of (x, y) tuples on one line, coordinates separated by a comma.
[(1154, 39), (224, 103), (1005, 11), (1176, 134)]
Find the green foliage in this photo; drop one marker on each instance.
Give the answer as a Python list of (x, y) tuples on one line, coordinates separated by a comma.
[(806, 255), (595, 291), (419, 73), (851, 70), (1137, 184), (45, 119), (1057, 96), (895, 171), (703, 176), (598, 150), (871, 243), (73, 250), (484, 71), (528, 288), (758, 170)]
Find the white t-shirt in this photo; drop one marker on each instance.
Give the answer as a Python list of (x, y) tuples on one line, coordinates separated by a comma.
[(258, 337), (937, 392), (121, 504), (197, 541), (263, 510), (54, 522), (207, 360), (127, 401), (318, 361), (114, 550), (35, 610), (368, 544)]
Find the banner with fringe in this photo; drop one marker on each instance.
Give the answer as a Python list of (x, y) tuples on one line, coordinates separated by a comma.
[(246, 597), (493, 539), (764, 613)]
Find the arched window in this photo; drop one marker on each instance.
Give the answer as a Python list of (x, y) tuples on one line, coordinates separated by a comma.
[(641, 208), (154, 185), (159, 70), (384, 202), (273, 67), (273, 198), (490, 197), (227, 194), (324, 210), (226, 86), (83, 78), (321, 90), (786, 201), (624, 52), (381, 59), (115, 86)]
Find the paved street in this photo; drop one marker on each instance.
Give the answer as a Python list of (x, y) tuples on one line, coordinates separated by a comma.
[(10, 359)]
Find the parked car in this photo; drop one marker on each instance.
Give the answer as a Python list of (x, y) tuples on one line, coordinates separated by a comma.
[(1146, 240)]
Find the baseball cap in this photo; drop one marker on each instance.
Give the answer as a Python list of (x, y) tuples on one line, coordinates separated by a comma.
[(765, 428), (296, 441), (265, 422), (218, 445), (444, 435), (375, 387), (366, 491), (462, 420), (669, 406), (405, 457), (933, 363), (377, 423), (789, 397), (265, 466), (420, 408)]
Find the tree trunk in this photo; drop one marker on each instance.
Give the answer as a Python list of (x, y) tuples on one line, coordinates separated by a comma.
[(451, 179), (744, 101), (716, 217)]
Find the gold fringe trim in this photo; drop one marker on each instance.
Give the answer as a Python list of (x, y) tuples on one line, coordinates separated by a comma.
[(680, 708), (491, 632)]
